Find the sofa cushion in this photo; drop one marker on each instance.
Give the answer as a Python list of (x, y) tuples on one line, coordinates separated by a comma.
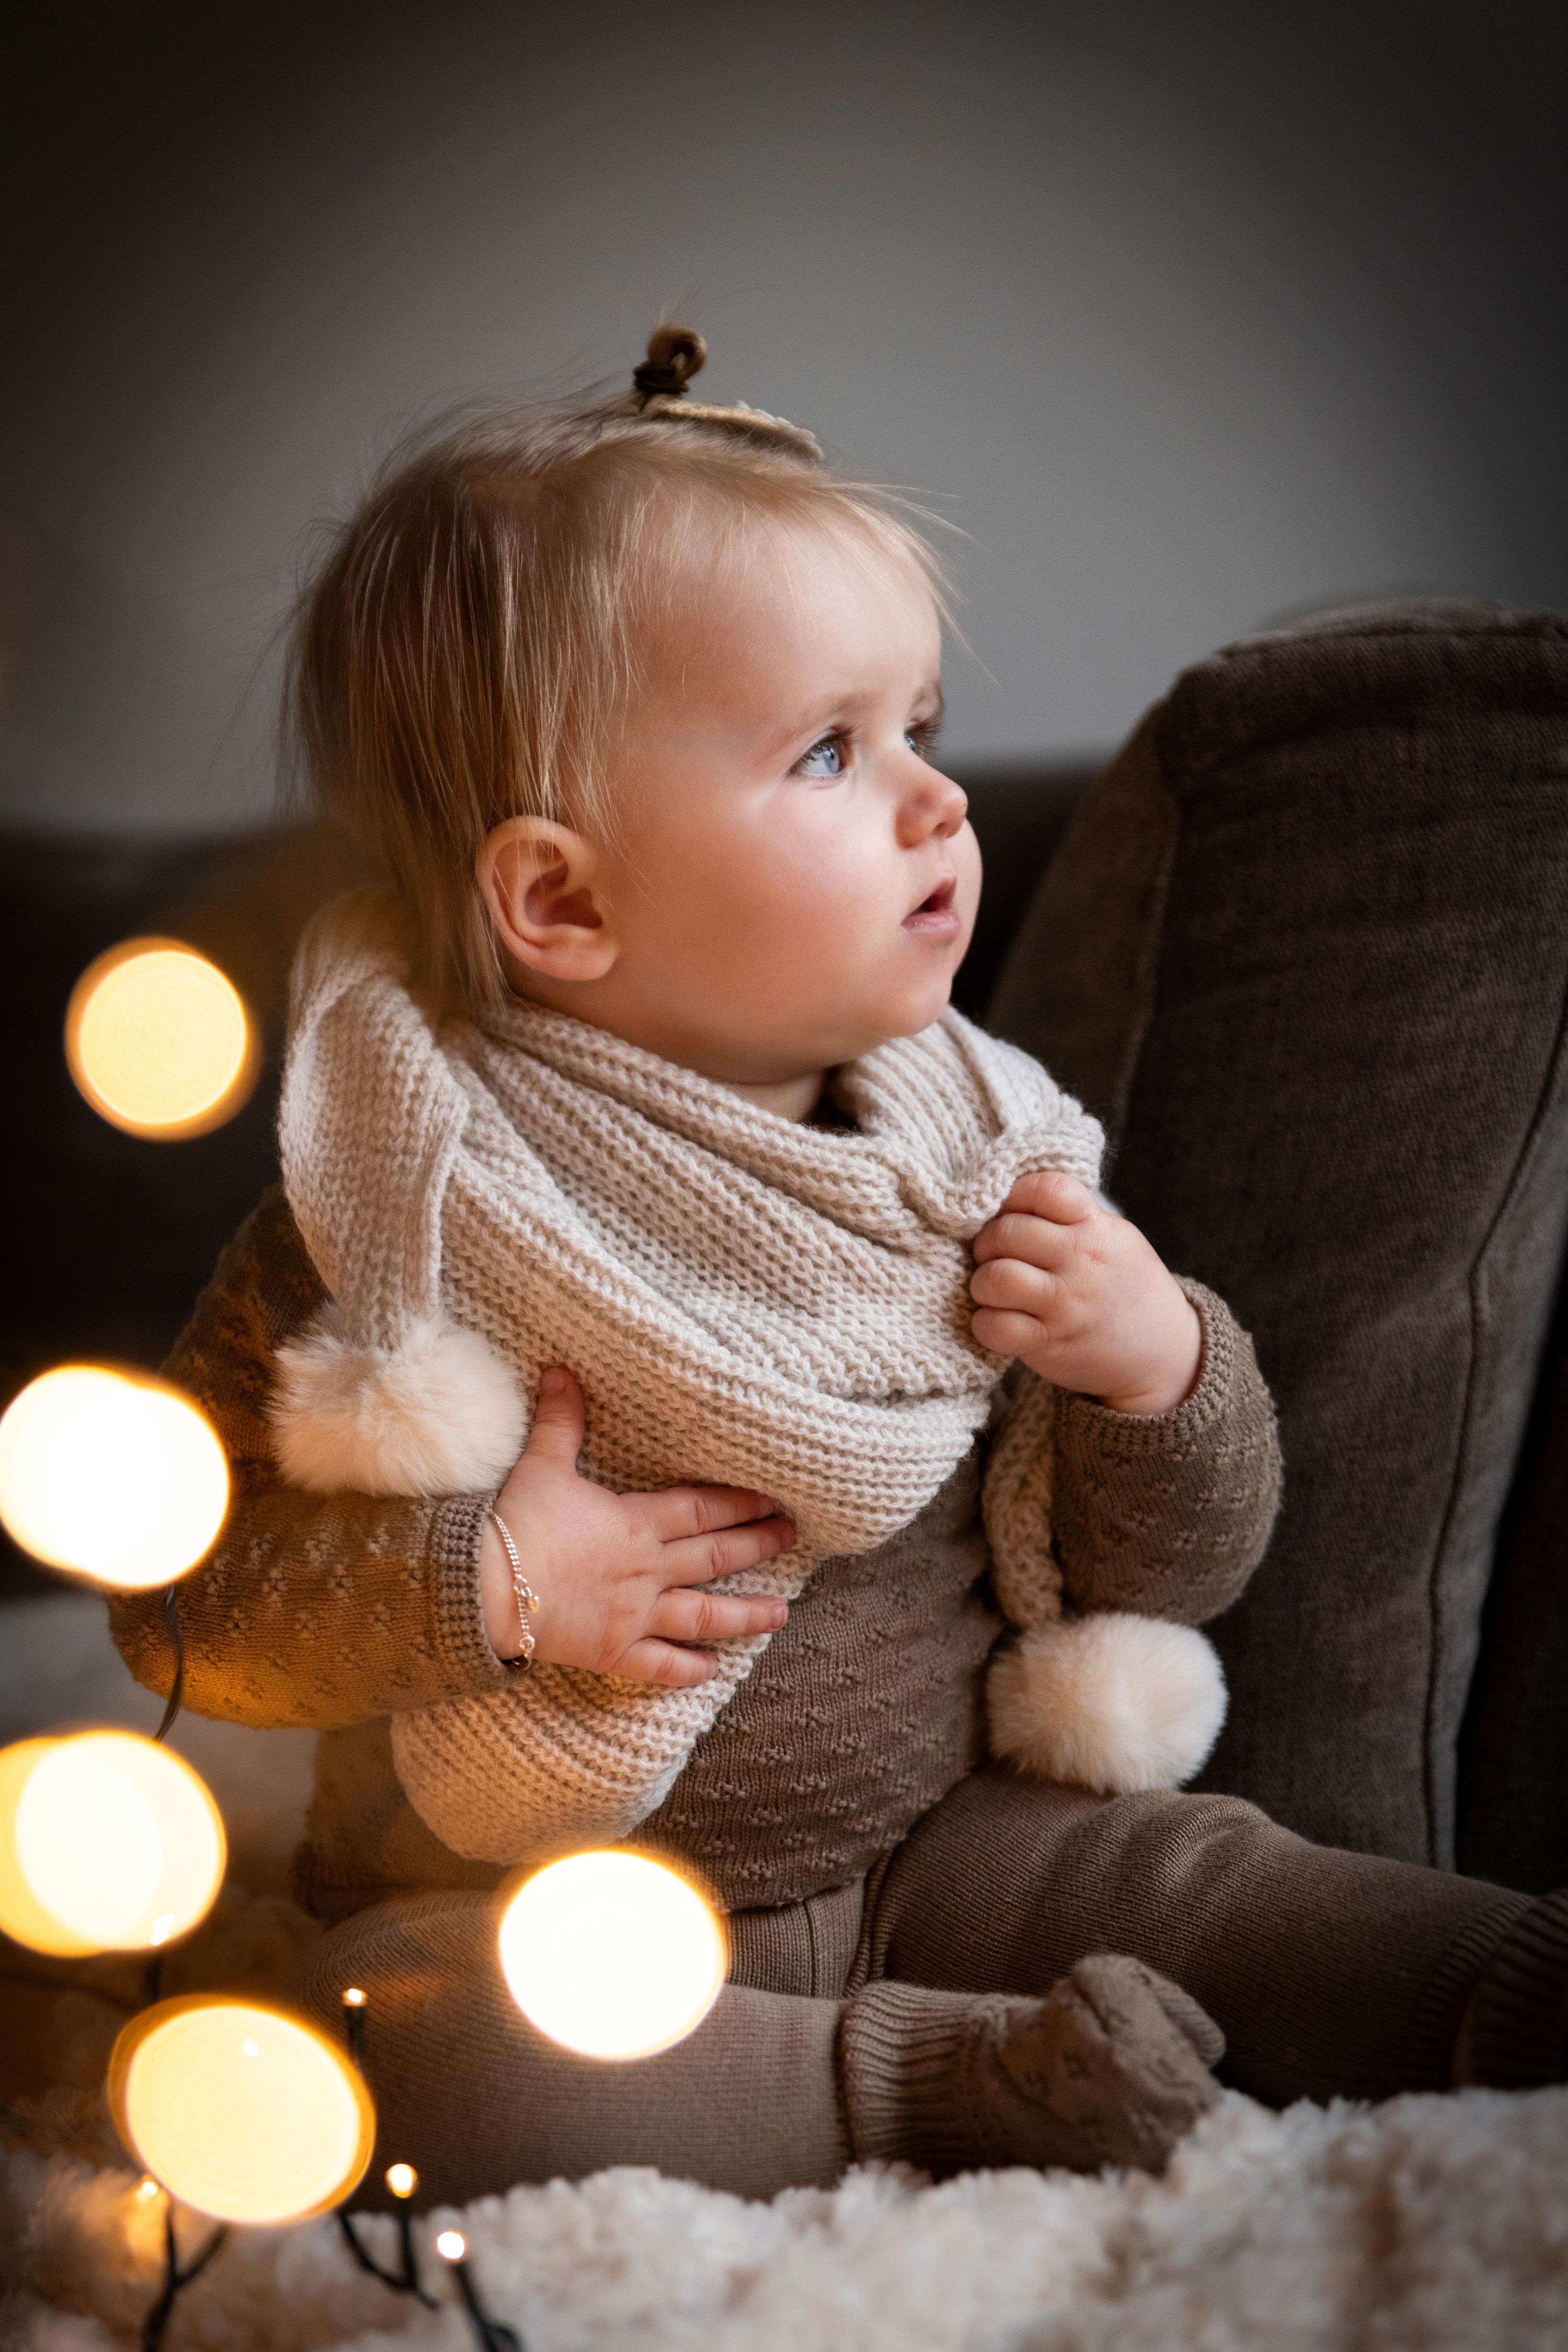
[(1513, 1748), (1305, 949)]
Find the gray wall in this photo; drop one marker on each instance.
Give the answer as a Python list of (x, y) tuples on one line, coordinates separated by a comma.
[(1184, 313)]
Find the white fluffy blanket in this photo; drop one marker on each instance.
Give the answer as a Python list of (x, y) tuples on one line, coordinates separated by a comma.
[(1430, 2223)]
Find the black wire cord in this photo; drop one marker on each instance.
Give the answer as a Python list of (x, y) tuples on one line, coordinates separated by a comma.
[(176, 1635), (174, 2278), (492, 2335), (408, 2283)]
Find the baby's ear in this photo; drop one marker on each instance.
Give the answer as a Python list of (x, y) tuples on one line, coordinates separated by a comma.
[(543, 883)]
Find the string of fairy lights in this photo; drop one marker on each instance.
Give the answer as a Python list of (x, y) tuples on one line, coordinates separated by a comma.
[(239, 2112)]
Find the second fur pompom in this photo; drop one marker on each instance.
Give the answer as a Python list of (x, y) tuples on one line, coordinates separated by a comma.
[(1113, 1702)]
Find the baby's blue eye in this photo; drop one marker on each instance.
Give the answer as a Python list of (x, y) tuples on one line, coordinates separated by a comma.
[(823, 758)]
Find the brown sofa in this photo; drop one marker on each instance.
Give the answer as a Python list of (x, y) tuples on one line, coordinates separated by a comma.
[(1306, 950)]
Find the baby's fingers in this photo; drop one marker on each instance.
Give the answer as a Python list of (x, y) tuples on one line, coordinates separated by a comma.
[(1016, 1287), (716, 1616), (703, 1559), (1005, 1335), (681, 1511), (667, 1668), (1051, 1192)]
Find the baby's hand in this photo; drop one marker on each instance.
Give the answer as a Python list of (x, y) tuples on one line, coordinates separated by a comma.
[(1083, 1300), (614, 1572)]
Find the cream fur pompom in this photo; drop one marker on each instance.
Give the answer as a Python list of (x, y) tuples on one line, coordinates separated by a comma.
[(442, 1414), (1111, 1703)]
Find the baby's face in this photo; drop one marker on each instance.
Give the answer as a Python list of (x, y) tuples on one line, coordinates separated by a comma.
[(794, 882)]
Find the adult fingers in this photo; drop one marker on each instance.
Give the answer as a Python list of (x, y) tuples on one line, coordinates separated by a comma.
[(683, 1616), (558, 1418), (701, 1559), (681, 1511)]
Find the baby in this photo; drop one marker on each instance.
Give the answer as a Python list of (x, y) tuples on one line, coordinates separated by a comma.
[(628, 1143), (765, 883)]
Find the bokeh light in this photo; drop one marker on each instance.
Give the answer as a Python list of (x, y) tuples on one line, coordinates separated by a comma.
[(451, 2245), (108, 1842), (113, 1476), (239, 2109), (612, 1954), (158, 1041)]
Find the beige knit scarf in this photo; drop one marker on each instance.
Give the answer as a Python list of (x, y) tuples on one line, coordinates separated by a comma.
[(744, 1301)]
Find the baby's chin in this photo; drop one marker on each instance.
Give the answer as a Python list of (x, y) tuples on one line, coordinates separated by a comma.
[(879, 1022)]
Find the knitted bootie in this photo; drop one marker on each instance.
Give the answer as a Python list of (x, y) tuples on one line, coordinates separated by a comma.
[(1111, 2067)]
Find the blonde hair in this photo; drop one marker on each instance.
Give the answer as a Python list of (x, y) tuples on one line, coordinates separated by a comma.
[(463, 650)]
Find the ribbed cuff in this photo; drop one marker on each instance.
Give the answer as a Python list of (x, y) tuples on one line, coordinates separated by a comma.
[(1429, 2055), (1518, 2034), (906, 2057), (457, 1528), (1185, 1424)]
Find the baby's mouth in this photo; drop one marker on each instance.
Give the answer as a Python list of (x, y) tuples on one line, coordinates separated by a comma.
[(936, 915)]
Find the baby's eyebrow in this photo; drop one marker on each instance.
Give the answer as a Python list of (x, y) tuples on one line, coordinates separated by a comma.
[(819, 717)]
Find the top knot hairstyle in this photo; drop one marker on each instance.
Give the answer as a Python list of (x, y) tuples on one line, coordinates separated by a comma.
[(464, 649)]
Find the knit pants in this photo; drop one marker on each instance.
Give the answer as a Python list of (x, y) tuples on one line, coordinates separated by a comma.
[(841, 2031)]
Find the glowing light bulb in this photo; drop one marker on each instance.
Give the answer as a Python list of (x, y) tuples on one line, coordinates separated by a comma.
[(158, 1042), (612, 1954), (270, 2137), (111, 1475), (402, 2179), (354, 1998), (451, 2245), (108, 1842), (146, 2186)]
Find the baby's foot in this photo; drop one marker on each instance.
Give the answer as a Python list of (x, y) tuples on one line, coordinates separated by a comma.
[(1111, 2067)]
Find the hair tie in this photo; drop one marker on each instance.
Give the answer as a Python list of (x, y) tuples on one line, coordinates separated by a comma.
[(674, 356)]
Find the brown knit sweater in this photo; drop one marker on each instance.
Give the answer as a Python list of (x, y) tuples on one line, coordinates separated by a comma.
[(864, 1711)]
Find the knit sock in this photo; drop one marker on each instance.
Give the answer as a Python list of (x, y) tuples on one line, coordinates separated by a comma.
[(1517, 2024), (1111, 2067)]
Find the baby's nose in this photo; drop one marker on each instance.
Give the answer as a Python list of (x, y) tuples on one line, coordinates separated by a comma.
[(936, 805)]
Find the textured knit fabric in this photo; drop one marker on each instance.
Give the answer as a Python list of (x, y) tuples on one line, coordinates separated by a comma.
[(310, 1609), (469, 2093), (1322, 1967), (1519, 2033), (866, 1709), (745, 1299), (1326, 1972), (1111, 2067), (1304, 950), (867, 1706)]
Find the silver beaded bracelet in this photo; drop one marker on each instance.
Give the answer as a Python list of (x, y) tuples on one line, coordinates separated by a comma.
[(527, 1599)]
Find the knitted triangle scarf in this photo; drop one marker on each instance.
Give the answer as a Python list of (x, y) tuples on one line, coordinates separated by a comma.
[(745, 1300)]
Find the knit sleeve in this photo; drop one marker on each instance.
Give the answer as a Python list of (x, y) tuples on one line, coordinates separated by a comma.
[(1167, 1515), (310, 1609)]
